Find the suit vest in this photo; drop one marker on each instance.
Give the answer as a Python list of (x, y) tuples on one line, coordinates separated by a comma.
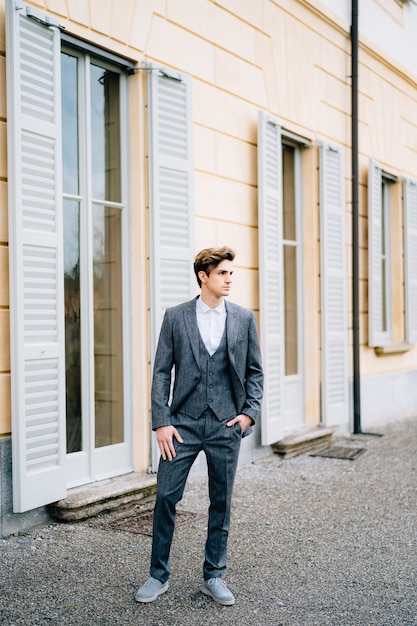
[(214, 390)]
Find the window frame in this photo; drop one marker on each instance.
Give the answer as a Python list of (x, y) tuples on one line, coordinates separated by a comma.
[(380, 294), (290, 141), (386, 257), (82, 467)]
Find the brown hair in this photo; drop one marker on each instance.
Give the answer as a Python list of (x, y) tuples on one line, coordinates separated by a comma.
[(209, 258)]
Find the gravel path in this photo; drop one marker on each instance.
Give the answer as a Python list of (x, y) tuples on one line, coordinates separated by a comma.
[(315, 542)]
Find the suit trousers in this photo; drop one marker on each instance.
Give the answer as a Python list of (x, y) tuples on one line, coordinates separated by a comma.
[(221, 445)]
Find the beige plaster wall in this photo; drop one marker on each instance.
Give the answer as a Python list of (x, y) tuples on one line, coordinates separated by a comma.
[(284, 56)]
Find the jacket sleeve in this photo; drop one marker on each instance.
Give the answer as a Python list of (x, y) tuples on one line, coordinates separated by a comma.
[(162, 375), (254, 374)]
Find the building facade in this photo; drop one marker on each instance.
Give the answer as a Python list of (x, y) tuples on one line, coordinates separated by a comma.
[(134, 134)]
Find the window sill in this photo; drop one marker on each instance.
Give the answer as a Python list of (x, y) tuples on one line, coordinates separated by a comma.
[(394, 348)]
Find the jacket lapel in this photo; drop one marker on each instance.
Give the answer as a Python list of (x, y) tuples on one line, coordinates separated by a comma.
[(232, 327), (190, 320)]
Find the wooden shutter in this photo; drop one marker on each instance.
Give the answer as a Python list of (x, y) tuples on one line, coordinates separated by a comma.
[(377, 336), (36, 257), (171, 192), (334, 327), (271, 267), (410, 256), (171, 197)]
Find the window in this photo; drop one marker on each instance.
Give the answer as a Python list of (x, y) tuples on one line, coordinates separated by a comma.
[(384, 259), (93, 214), (410, 256), (381, 230), (281, 302), (392, 245), (67, 186), (290, 245)]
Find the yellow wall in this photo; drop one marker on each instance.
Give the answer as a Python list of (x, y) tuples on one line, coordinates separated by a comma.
[(284, 56)]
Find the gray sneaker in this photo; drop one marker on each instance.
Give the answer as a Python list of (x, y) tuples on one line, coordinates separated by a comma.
[(151, 590), (217, 589)]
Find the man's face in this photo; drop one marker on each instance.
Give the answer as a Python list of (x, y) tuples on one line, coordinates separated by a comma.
[(219, 281)]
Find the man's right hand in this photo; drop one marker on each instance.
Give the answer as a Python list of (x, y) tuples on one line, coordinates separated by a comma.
[(165, 438)]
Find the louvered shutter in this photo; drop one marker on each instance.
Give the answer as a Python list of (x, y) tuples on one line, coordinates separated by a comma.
[(36, 264), (171, 188), (271, 266), (410, 255), (171, 196), (377, 337), (334, 326)]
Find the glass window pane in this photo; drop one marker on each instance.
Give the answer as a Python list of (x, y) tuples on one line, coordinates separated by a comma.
[(108, 362), (385, 247), (291, 317), (69, 96), (288, 190), (384, 311), (72, 324), (384, 204), (105, 134)]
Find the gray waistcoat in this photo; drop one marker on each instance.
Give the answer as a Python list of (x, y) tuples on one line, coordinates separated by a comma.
[(214, 389)]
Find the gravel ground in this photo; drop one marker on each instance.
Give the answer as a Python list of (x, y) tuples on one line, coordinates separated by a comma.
[(315, 541)]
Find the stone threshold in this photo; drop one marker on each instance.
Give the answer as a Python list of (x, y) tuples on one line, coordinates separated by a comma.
[(105, 495), (303, 440)]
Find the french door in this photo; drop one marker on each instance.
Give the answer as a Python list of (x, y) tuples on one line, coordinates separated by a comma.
[(95, 232), (293, 404)]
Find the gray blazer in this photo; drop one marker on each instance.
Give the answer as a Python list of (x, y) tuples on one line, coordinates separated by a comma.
[(178, 348)]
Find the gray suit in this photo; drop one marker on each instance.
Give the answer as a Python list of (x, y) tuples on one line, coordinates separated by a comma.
[(208, 391)]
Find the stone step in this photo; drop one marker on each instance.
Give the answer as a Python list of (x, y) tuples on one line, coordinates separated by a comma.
[(303, 440), (105, 495)]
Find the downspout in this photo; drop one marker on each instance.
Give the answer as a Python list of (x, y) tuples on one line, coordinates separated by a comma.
[(355, 223)]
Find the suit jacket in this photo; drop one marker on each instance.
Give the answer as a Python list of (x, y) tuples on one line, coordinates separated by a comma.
[(178, 348)]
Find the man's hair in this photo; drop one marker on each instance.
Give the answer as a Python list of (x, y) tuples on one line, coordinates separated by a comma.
[(209, 258)]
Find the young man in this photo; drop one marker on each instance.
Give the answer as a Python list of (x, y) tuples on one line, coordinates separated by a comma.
[(213, 347)]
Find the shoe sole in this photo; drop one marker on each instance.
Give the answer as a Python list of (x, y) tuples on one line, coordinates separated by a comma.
[(208, 593), (154, 597)]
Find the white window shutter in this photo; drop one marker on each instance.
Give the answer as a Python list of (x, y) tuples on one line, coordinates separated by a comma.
[(271, 264), (334, 326), (377, 337), (410, 255), (171, 197), (36, 263), (171, 192)]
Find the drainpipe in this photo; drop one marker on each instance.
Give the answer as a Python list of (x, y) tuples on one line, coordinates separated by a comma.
[(355, 222)]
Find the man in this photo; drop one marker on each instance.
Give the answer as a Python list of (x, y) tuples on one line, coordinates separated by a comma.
[(213, 347)]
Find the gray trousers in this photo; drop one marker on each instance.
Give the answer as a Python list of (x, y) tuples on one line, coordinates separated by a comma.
[(221, 446)]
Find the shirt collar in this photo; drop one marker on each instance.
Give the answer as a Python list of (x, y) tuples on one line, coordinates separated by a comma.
[(203, 308)]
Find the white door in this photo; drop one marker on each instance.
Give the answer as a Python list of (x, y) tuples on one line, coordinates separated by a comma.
[(293, 404), (280, 279), (95, 259)]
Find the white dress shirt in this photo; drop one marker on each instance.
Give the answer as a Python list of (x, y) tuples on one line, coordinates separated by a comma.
[(211, 323)]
